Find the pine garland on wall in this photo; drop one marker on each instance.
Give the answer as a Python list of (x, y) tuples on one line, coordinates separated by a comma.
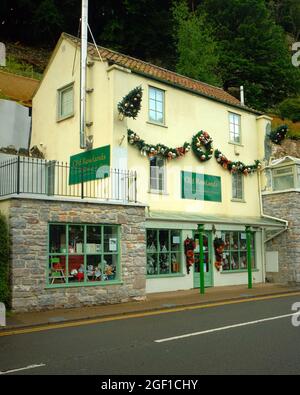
[(279, 134), (202, 139), (236, 167), (158, 149), (130, 105)]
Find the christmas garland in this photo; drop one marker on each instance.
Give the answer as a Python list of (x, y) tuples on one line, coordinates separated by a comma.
[(236, 167), (159, 149), (278, 135), (131, 103), (202, 138)]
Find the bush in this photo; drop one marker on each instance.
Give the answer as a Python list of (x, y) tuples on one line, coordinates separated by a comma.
[(290, 108), (4, 262)]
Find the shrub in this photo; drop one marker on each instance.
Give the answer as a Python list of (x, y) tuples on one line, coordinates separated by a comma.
[(4, 262), (290, 108)]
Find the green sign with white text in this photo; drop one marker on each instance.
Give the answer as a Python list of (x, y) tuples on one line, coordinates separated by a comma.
[(200, 187), (90, 165)]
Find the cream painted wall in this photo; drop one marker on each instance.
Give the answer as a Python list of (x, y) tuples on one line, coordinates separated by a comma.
[(61, 139), (186, 114)]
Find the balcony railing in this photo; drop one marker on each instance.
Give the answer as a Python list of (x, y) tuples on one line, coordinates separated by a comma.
[(22, 175)]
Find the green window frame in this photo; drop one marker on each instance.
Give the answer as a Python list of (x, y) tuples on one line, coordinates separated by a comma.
[(164, 253), (83, 255), (235, 251)]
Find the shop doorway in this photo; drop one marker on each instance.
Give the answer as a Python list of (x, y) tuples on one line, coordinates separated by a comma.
[(208, 268)]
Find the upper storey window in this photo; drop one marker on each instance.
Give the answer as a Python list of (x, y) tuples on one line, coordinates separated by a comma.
[(65, 102), (156, 105), (235, 128)]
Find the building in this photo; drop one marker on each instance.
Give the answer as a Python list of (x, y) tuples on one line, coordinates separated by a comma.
[(180, 186)]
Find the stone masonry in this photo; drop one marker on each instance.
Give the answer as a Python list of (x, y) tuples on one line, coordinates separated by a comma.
[(28, 221), (285, 205)]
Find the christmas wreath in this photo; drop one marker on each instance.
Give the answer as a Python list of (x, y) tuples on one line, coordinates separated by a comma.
[(189, 247), (279, 134), (131, 103), (202, 139), (219, 246), (158, 149), (236, 167)]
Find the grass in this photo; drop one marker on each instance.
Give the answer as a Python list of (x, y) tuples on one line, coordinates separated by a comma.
[(294, 128), (15, 66)]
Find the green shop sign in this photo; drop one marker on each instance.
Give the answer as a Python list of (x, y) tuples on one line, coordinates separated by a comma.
[(90, 165), (201, 187)]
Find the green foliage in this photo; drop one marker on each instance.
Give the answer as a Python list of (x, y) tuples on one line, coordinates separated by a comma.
[(15, 66), (130, 105), (254, 51), (4, 261), (198, 55), (287, 14), (290, 108)]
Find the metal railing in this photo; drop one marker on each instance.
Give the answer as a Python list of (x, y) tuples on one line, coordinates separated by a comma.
[(40, 177)]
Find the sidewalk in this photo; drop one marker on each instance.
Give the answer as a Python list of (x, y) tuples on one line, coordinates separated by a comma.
[(153, 303)]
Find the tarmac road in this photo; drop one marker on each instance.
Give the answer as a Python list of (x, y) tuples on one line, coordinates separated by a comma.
[(246, 338)]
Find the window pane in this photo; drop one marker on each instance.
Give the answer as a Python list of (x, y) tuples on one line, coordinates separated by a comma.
[(226, 261), (152, 94), (152, 115), (283, 182), (94, 268), (175, 240), (110, 267), (76, 239), (94, 243), (152, 264), (57, 270), (152, 242), (234, 263), (57, 239), (243, 260), (152, 105), (110, 239), (159, 95), (164, 241), (164, 263), (76, 269), (175, 262)]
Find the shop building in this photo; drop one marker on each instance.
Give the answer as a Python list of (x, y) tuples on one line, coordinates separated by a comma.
[(180, 185)]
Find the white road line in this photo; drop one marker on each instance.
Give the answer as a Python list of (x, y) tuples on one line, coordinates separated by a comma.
[(26, 368), (224, 328)]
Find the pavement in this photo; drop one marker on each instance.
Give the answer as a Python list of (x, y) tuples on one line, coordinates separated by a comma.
[(166, 301)]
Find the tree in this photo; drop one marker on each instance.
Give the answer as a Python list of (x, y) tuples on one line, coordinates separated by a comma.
[(197, 49), (254, 51), (287, 14)]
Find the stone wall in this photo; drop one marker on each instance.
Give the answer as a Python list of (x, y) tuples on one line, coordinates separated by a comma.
[(29, 218), (285, 206)]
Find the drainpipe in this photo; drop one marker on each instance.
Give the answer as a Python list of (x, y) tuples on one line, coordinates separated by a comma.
[(83, 68)]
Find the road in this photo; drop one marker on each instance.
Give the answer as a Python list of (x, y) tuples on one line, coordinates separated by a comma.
[(245, 338)]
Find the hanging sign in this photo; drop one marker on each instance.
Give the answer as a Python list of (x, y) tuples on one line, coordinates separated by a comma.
[(90, 165), (201, 187)]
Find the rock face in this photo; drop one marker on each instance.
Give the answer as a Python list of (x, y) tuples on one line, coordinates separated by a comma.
[(287, 148), (285, 205), (28, 221)]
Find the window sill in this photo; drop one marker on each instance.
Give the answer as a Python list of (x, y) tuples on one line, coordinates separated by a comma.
[(60, 119), (238, 144), (156, 276), (238, 200), (92, 284), (157, 124), (158, 192), (238, 271)]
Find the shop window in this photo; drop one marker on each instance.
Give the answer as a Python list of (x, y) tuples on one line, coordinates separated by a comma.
[(164, 250), (83, 254), (235, 252)]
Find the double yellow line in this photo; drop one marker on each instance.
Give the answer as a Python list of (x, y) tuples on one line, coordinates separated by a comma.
[(83, 322)]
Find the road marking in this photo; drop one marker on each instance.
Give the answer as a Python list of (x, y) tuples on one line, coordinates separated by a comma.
[(127, 316), (224, 328), (20, 369)]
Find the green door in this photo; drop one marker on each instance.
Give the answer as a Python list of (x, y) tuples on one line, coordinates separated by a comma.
[(208, 268)]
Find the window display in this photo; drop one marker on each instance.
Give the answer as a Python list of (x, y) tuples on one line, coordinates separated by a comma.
[(84, 254), (163, 252), (235, 251)]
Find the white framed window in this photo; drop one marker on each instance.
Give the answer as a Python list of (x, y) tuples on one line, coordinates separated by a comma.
[(237, 186), (235, 128), (65, 102), (283, 178), (157, 175), (156, 105)]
